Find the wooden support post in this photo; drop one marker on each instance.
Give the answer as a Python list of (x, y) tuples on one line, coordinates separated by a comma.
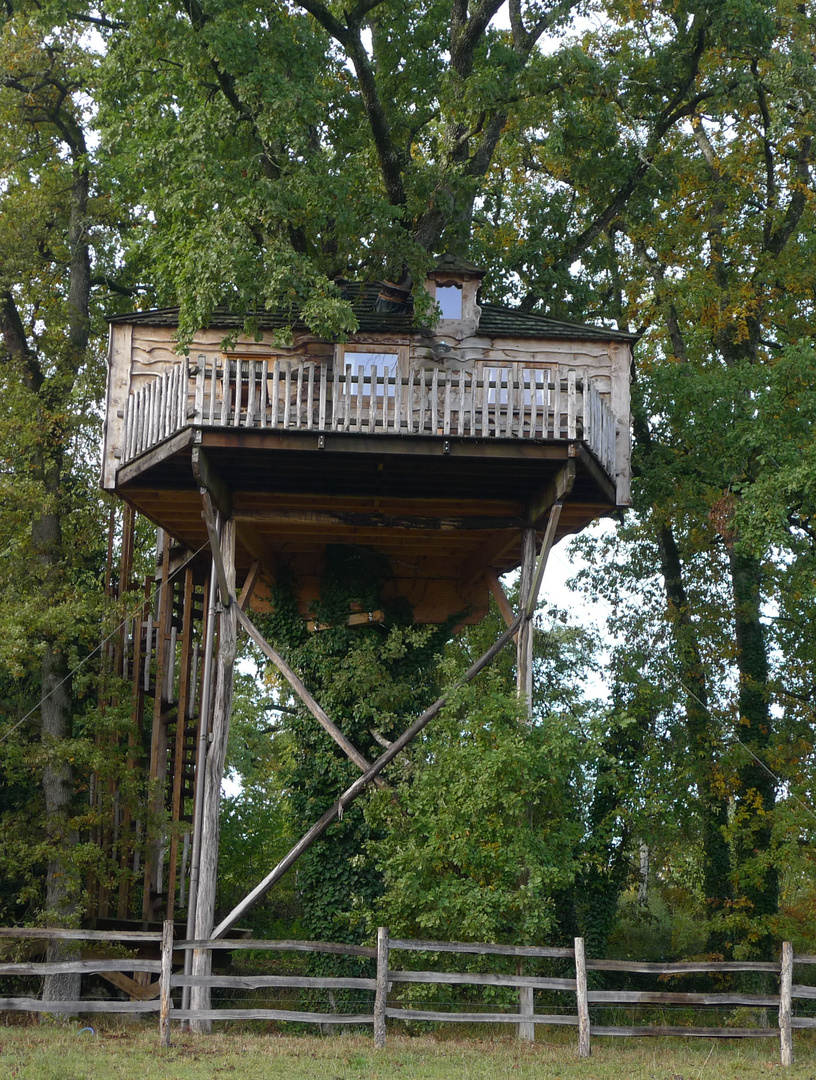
[(181, 729), (165, 1002), (359, 785), (524, 641), (200, 770), (786, 1004), (581, 999), (214, 774), (129, 851), (158, 741), (546, 545), (297, 685), (224, 589), (381, 994)]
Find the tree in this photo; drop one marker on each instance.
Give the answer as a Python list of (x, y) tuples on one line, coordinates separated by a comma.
[(278, 149), (718, 268), (55, 256)]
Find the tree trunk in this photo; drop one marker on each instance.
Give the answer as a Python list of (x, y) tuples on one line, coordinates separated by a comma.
[(63, 883), (713, 809), (756, 877)]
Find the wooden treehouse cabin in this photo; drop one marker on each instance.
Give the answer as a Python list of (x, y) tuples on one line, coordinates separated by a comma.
[(435, 449), (458, 453)]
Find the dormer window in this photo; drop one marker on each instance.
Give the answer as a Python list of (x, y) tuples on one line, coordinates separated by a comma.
[(454, 285), (449, 298)]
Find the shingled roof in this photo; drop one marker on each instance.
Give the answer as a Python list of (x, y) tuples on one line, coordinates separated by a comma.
[(381, 307)]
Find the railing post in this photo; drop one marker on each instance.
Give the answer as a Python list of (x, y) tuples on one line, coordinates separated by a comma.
[(581, 999), (381, 995), (785, 1004), (201, 375), (165, 1002)]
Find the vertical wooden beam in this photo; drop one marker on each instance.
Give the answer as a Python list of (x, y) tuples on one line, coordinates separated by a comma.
[(126, 882), (786, 1004), (381, 995), (200, 770), (181, 730), (214, 774), (581, 999), (524, 641), (525, 1029), (165, 1001), (158, 748), (546, 546)]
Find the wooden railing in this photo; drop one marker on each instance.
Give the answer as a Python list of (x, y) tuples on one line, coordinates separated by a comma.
[(543, 403), (387, 1005)]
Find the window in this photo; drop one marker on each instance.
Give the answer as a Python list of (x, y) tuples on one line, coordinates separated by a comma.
[(368, 360), (449, 298), (361, 383)]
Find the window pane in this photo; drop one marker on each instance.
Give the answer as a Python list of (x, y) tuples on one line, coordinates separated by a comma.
[(369, 359), (449, 298)]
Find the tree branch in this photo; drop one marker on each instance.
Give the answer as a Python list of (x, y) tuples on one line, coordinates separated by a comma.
[(798, 201), (349, 37), (115, 287), (17, 347)]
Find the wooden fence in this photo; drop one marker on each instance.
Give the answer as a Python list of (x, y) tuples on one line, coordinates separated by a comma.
[(543, 403), (386, 1003)]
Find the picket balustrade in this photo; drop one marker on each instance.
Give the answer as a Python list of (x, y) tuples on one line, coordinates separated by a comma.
[(556, 403)]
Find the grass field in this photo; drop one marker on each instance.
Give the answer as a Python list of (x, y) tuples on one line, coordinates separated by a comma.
[(56, 1052)]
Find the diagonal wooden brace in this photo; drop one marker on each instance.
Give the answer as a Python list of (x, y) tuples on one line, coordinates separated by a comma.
[(208, 513), (359, 785), (291, 677), (297, 685), (546, 545)]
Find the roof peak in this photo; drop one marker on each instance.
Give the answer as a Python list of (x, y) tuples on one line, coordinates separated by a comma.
[(453, 264)]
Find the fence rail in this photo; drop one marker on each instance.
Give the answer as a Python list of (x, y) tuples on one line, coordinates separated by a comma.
[(542, 403), (389, 975)]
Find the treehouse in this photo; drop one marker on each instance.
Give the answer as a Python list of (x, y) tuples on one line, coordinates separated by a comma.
[(434, 448), (453, 454)]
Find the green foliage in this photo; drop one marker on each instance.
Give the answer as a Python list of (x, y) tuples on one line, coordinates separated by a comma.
[(478, 837), (371, 681)]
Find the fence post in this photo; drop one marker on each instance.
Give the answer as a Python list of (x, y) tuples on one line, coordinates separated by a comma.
[(381, 995), (165, 1002), (581, 999), (526, 1029), (785, 1004)]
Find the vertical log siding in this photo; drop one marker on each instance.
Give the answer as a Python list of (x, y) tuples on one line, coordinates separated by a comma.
[(555, 403)]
